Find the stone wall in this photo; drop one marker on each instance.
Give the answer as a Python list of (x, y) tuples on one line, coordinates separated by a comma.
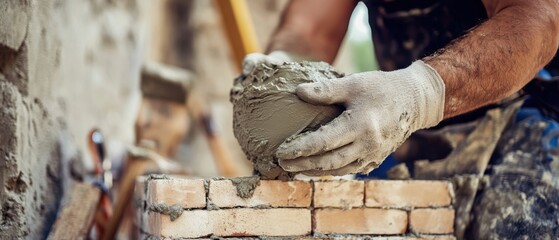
[(65, 67)]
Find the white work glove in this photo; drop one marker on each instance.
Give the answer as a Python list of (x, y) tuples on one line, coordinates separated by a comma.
[(276, 57), (382, 110)]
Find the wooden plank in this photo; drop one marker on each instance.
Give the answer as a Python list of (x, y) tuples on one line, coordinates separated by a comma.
[(76, 217)]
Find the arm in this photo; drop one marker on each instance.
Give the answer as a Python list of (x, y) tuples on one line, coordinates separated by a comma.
[(313, 29), (308, 30), (500, 56), (491, 62)]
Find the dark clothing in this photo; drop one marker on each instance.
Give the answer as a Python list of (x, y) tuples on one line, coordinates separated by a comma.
[(520, 199), (407, 30)]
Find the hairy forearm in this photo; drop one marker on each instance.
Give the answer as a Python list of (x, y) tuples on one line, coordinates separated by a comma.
[(297, 44), (311, 32), (498, 57)]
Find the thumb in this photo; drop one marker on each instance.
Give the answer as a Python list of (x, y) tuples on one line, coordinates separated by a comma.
[(251, 60), (323, 92)]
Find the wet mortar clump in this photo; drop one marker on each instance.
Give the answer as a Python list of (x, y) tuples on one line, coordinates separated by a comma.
[(267, 111)]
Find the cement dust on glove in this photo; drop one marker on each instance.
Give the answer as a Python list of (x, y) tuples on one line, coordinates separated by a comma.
[(382, 109)]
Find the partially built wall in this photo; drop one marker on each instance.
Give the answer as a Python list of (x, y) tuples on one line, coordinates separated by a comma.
[(249, 208)]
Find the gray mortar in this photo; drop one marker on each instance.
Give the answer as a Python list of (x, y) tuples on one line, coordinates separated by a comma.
[(209, 204), (267, 111), (157, 177), (151, 237), (174, 211), (246, 185)]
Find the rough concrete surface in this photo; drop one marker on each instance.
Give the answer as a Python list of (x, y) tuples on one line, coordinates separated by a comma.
[(267, 110), (65, 67), (13, 23)]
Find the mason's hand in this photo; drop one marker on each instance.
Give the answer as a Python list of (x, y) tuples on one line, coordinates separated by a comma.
[(382, 110), (277, 57)]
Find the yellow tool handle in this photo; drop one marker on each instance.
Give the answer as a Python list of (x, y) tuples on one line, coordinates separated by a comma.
[(238, 28)]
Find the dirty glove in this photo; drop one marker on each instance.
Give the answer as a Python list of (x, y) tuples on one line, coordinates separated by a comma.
[(276, 57), (382, 110)]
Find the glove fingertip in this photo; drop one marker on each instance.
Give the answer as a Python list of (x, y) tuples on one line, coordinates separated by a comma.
[(287, 151), (283, 154), (286, 166), (309, 92), (280, 154)]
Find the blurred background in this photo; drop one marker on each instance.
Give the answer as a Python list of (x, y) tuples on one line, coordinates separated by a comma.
[(83, 81)]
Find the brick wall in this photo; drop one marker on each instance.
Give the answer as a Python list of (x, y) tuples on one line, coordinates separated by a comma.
[(210, 208)]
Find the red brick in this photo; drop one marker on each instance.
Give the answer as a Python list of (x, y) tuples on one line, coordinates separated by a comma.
[(342, 194), (236, 222), (188, 193), (407, 193), (272, 193), (432, 221), (360, 221)]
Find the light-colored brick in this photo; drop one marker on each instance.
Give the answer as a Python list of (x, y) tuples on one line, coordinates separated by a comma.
[(144, 223), (236, 222), (443, 237), (191, 224), (241, 238), (360, 221), (272, 193), (188, 193), (432, 221), (139, 190), (440, 237), (415, 193), (139, 200), (359, 238), (338, 194), (262, 222)]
